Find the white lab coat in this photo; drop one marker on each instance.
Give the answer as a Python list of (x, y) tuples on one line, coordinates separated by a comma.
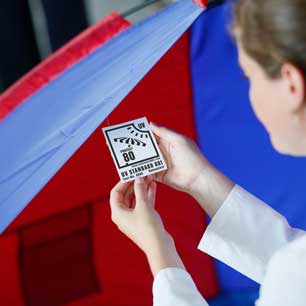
[(254, 239)]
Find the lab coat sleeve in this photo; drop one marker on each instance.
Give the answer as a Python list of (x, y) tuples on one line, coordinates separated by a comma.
[(245, 233), (175, 287), (285, 281)]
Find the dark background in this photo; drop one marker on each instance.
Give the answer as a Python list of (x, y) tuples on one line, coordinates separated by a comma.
[(19, 49), (33, 29)]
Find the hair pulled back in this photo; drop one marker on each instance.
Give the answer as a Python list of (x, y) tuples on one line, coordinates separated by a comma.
[(272, 32)]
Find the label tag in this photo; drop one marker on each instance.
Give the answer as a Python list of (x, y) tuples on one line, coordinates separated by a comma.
[(134, 149)]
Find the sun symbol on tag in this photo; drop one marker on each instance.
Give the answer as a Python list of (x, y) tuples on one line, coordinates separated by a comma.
[(135, 140), (135, 132), (130, 141)]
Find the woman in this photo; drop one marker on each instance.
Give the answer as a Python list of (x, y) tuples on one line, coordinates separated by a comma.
[(244, 232)]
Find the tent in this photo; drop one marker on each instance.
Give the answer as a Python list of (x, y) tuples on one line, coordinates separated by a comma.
[(63, 248), (198, 89)]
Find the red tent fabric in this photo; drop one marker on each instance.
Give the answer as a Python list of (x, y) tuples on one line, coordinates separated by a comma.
[(63, 249)]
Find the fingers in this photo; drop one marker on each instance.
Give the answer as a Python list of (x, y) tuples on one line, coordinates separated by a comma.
[(119, 194), (143, 189), (140, 188), (164, 133), (150, 178), (152, 193), (129, 196)]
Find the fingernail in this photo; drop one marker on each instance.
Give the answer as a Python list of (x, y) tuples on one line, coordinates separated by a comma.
[(140, 180), (153, 123)]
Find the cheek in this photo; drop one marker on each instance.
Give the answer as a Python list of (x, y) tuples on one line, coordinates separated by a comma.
[(267, 101), (263, 101), (258, 98)]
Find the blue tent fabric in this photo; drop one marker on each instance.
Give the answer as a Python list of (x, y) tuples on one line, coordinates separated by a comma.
[(231, 137), (245, 297), (40, 135)]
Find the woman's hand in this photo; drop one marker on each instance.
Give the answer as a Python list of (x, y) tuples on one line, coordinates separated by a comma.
[(189, 171), (184, 159), (137, 218), (140, 222)]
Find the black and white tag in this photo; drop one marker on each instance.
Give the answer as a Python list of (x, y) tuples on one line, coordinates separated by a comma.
[(134, 149)]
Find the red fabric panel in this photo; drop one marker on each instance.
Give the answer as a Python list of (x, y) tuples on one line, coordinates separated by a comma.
[(10, 291), (61, 268), (165, 96), (55, 227), (65, 57)]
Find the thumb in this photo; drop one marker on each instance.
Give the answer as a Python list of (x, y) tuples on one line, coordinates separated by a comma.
[(140, 189)]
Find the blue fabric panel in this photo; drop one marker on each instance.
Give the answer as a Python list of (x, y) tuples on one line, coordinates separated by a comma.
[(229, 134), (43, 133)]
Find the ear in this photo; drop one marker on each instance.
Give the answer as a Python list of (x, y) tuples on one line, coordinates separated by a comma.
[(294, 86)]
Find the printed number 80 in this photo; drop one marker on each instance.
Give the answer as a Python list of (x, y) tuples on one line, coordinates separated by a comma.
[(128, 156)]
